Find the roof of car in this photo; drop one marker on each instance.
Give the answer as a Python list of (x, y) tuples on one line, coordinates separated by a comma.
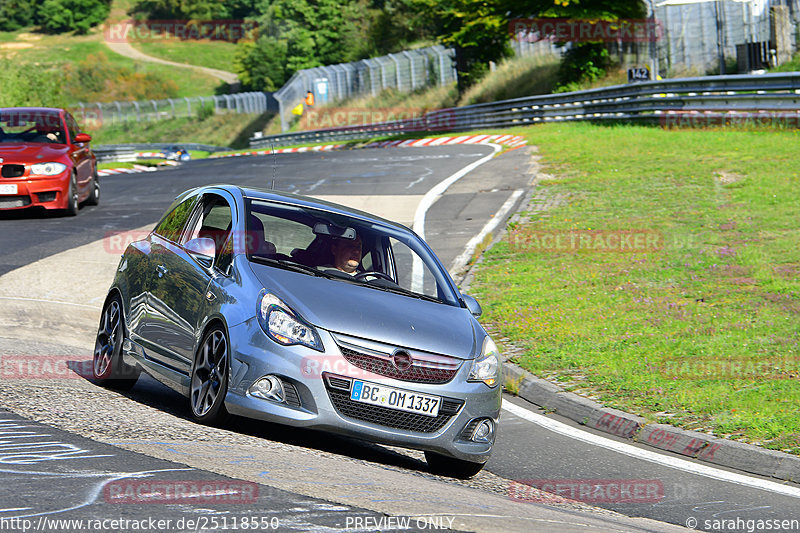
[(32, 109), (316, 203)]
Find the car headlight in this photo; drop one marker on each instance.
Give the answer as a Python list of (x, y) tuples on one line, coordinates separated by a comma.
[(486, 367), (47, 169), (283, 325)]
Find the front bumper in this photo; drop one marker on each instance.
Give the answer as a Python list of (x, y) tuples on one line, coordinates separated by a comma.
[(49, 192), (320, 384)]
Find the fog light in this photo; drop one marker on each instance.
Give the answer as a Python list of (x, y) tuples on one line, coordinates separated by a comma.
[(268, 388), (484, 431)]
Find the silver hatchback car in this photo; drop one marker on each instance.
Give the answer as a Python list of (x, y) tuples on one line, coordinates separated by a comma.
[(293, 310)]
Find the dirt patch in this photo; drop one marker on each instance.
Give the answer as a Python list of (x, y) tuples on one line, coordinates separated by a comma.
[(726, 178), (15, 46), (29, 37)]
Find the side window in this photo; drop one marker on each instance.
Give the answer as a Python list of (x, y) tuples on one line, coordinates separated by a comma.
[(213, 221), (412, 274), (72, 127), (173, 223)]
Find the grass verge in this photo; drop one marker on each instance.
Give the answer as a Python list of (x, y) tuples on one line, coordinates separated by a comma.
[(701, 333), (224, 129)]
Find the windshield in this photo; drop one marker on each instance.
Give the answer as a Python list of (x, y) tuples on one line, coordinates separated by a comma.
[(344, 249), (31, 127)]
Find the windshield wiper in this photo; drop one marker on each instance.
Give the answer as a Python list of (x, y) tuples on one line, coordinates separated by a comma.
[(289, 265), (404, 292)]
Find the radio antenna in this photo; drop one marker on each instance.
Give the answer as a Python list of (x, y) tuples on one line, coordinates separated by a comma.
[(273, 164)]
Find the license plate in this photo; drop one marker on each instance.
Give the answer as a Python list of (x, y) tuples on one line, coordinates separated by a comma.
[(402, 400), (8, 189)]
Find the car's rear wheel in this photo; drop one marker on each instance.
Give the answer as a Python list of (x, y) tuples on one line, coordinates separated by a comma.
[(209, 382), (94, 196), (108, 368), (72, 198), (451, 467)]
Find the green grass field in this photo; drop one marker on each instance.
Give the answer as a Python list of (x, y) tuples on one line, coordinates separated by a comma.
[(225, 129), (703, 332), (40, 49), (213, 54)]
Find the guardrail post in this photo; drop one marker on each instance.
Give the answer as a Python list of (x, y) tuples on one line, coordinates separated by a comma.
[(188, 106), (155, 108), (172, 105)]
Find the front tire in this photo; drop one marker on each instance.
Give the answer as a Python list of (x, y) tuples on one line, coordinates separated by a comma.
[(451, 467), (209, 383), (72, 198), (108, 369), (94, 196)]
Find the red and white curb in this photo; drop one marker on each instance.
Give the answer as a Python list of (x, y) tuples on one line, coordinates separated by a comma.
[(325, 148), (136, 169), (508, 140), (513, 141)]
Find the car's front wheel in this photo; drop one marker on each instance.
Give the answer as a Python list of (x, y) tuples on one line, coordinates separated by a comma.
[(451, 467), (209, 382), (108, 369), (94, 196), (72, 205)]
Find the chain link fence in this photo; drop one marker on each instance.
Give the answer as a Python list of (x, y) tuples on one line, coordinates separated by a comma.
[(99, 114), (404, 71)]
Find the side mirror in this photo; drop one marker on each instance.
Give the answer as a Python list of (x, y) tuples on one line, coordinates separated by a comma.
[(82, 138), (472, 304), (203, 249)]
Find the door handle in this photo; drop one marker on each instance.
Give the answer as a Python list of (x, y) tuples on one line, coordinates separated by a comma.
[(161, 270)]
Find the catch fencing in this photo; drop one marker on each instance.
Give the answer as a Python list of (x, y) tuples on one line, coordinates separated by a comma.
[(404, 71), (98, 114), (712, 100)]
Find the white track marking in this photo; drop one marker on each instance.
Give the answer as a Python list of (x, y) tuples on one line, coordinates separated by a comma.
[(473, 243), (42, 300), (428, 200), (317, 184), (647, 455)]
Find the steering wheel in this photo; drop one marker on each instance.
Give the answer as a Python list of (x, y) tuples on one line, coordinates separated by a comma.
[(362, 275)]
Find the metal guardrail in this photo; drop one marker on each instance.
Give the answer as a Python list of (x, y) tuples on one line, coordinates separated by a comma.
[(127, 152), (664, 101)]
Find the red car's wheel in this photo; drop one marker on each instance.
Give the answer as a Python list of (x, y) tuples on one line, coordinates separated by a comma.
[(94, 196), (72, 206)]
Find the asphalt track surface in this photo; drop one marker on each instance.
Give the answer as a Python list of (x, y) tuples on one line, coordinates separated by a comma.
[(524, 451)]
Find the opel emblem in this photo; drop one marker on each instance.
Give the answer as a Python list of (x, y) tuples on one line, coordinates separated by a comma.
[(402, 360)]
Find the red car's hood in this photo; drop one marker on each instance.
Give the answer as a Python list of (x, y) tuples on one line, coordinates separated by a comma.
[(31, 152)]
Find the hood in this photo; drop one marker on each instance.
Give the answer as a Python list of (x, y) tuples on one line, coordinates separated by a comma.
[(342, 307), (31, 152)]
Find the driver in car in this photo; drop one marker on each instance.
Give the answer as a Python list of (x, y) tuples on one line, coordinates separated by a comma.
[(346, 255)]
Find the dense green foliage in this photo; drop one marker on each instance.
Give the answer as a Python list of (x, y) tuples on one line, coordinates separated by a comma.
[(196, 9), (298, 34), (54, 16), (29, 85)]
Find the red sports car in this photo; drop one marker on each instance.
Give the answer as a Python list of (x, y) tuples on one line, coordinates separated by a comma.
[(45, 161)]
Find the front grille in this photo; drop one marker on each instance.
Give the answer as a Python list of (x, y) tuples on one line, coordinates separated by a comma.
[(384, 416), (7, 202), (416, 373), (46, 196), (12, 171)]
